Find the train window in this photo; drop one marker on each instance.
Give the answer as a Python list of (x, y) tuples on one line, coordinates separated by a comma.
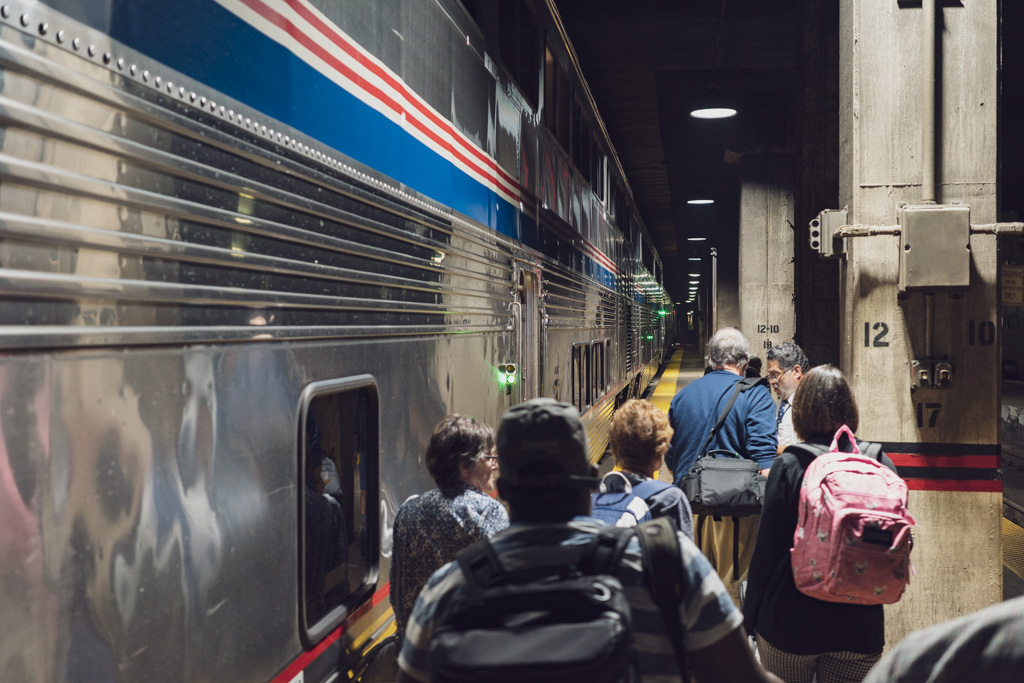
[(588, 377), (519, 46), (581, 140), (596, 167), (338, 501), (556, 97), (579, 384), (600, 379), (582, 376), (511, 30)]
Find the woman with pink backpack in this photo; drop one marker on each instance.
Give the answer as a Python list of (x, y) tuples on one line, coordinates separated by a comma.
[(820, 572)]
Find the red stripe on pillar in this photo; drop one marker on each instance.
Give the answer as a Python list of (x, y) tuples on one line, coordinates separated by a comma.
[(922, 460), (975, 485)]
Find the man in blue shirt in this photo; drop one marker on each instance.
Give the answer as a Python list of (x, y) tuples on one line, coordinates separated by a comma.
[(750, 430)]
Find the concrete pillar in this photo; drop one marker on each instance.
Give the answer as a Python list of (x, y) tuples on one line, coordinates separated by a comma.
[(728, 305), (767, 313), (945, 441)]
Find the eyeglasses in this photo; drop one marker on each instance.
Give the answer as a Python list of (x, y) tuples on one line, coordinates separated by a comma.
[(775, 376), (491, 458)]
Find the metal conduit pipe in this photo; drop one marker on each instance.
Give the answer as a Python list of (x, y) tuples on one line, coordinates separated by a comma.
[(928, 88), (929, 324), (714, 291)]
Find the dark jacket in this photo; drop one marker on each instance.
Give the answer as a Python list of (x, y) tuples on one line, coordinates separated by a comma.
[(774, 607)]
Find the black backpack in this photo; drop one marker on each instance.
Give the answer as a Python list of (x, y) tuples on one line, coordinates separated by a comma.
[(553, 623)]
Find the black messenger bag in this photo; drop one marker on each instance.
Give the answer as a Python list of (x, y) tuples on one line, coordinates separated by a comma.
[(722, 483)]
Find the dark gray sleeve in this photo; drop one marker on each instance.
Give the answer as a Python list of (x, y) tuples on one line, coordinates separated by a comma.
[(671, 503), (983, 646)]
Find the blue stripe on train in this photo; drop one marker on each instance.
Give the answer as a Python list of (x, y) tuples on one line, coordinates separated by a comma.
[(255, 70)]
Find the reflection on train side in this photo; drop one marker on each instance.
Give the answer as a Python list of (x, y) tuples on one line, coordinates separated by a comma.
[(338, 559)]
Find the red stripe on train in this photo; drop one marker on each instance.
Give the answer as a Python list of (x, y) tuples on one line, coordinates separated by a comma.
[(309, 43), (306, 658), (399, 85)]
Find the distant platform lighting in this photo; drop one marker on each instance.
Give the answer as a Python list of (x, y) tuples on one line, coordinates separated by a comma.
[(694, 274), (700, 201), (696, 239), (713, 106), (693, 258)]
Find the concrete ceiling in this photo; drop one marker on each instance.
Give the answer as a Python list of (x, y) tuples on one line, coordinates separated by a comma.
[(648, 63)]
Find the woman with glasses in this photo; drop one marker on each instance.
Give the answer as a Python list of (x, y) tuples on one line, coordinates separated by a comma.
[(431, 529)]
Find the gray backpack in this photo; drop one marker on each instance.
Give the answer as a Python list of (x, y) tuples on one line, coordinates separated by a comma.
[(553, 623)]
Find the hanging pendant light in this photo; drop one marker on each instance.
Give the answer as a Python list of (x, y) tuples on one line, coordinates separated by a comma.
[(713, 106)]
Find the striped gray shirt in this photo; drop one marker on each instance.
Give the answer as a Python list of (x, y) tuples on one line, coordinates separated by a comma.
[(706, 611)]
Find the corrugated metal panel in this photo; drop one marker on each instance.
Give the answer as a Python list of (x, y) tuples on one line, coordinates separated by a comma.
[(122, 215)]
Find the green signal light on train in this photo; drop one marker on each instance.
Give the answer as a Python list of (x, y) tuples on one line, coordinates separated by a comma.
[(663, 312), (650, 336), (510, 374)]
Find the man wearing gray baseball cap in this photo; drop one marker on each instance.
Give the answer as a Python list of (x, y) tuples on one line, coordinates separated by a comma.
[(478, 618)]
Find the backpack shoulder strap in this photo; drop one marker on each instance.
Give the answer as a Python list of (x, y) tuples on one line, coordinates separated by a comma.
[(739, 388), (663, 572), (480, 565), (808, 448), (604, 551), (648, 487), (806, 451), (871, 449)]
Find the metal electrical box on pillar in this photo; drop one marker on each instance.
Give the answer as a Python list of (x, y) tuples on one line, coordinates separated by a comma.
[(935, 247)]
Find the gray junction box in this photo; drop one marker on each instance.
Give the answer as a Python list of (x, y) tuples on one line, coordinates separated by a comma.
[(935, 249)]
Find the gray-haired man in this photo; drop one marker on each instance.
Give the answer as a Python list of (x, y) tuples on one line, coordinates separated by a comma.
[(749, 431)]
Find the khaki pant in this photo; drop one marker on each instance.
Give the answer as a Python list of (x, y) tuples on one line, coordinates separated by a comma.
[(716, 542)]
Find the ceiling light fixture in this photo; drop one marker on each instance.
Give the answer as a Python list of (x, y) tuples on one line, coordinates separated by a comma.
[(713, 106), (700, 201), (694, 274), (696, 239), (693, 259)]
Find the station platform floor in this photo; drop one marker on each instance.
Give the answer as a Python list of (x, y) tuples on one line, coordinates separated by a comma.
[(685, 365)]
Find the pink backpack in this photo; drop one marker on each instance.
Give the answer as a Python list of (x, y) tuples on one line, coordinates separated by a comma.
[(852, 541)]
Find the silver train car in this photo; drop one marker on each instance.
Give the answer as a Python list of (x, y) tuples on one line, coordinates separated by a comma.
[(235, 233)]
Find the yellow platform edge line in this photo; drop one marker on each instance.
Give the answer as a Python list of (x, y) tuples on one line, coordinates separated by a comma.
[(1013, 547), (666, 389)]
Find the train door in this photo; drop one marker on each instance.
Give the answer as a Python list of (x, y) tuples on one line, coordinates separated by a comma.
[(530, 334)]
